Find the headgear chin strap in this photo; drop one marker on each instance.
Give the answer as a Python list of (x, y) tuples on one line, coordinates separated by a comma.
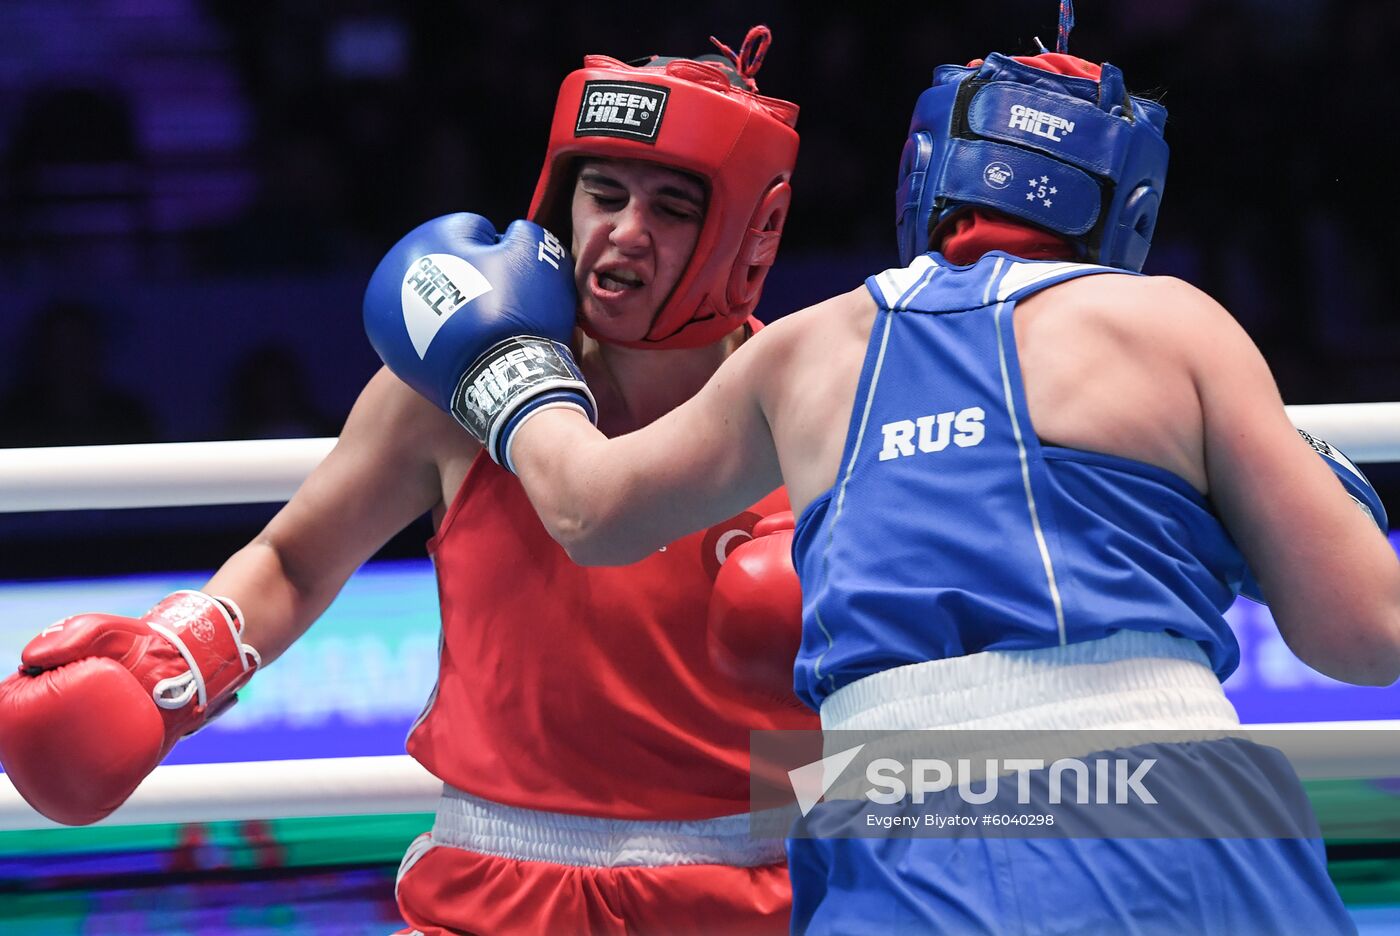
[(1052, 140), (705, 117)]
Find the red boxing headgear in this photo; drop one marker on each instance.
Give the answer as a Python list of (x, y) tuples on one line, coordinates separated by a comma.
[(701, 117)]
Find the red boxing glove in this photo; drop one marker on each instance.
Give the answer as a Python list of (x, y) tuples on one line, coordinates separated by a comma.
[(755, 617), (100, 700)]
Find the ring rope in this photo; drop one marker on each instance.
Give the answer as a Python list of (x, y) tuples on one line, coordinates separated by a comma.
[(183, 474), (397, 784)]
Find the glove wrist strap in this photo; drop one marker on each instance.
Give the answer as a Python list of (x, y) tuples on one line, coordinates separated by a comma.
[(207, 632), (508, 381)]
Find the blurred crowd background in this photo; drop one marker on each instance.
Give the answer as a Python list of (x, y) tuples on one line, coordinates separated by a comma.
[(194, 192)]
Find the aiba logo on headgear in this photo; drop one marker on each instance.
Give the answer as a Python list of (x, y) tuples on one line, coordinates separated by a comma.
[(630, 109), (997, 174)]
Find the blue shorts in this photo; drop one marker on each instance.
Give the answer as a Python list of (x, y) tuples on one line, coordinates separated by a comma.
[(1061, 885)]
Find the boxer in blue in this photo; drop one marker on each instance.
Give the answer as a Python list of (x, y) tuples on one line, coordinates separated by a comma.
[(1029, 482)]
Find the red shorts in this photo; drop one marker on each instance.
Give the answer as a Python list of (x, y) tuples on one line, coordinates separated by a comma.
[(492, 872)]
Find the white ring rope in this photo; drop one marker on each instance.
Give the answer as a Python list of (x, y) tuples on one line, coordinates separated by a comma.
[(333, 786), (181, 474), (195, 473), (397, 784), (167, 474)]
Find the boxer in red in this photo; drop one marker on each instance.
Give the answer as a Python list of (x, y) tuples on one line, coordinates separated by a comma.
[(591, 732)]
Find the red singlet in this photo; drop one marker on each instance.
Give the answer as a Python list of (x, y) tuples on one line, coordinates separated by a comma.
[(584, 690)]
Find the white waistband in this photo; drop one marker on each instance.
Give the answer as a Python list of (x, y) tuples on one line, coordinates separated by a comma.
[(1130, 680), (474, 824)]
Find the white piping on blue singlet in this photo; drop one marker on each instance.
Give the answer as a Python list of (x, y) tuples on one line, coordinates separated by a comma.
[(899, 287), (1021, 442), (1023, 275), (906, 284)]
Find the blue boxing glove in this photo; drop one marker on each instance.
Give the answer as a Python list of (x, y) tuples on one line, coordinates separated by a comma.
[(1356, 485), (480, 323)]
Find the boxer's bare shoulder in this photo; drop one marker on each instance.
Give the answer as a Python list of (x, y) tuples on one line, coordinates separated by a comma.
[(1112, 363), (1161, 317), (382, 474), (393, 430), (807, 381)]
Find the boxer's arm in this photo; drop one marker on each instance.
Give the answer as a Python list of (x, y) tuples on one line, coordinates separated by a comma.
[(1332, 580), (613, 501), (380, 476)]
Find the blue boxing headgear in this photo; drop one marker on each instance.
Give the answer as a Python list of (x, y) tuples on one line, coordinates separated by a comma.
[(1078, 157)]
